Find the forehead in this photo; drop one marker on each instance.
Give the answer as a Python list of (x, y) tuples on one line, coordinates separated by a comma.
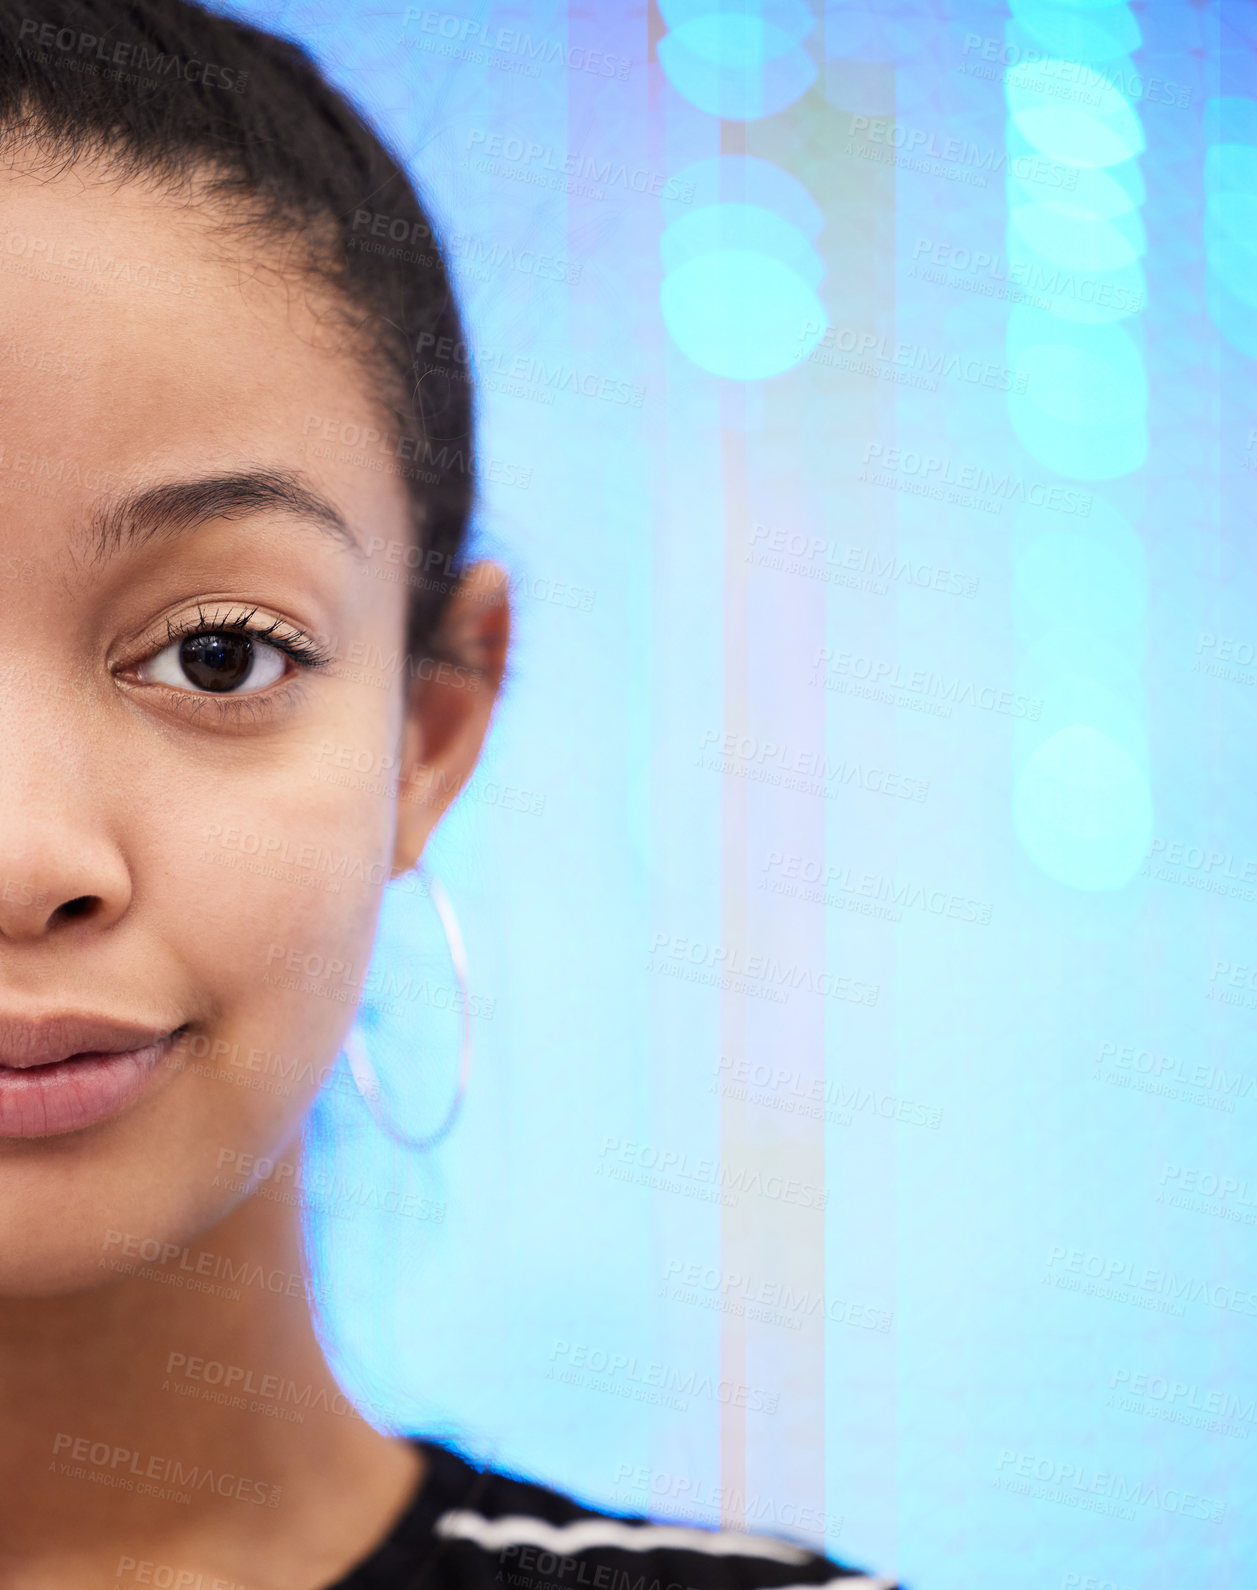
[(138, 338)]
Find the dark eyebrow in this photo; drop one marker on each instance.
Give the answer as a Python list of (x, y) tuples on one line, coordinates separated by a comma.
[(159, 512)]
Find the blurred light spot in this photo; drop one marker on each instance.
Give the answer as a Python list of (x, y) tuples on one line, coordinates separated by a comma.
[(1106, 133), (1070, 236), (741, 314), (1230, 208), (720, 227), (1082, 810), (750, 180), (1079, 32), (741, 61)]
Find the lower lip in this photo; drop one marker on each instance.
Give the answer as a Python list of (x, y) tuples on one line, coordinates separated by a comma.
[(42, 1101)]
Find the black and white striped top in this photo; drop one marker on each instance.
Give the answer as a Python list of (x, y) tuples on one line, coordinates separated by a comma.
[(481, 1529)]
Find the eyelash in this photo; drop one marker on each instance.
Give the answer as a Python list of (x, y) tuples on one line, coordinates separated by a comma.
[(284, 637)]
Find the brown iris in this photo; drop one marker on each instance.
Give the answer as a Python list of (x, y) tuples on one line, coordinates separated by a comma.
[(216, 661)]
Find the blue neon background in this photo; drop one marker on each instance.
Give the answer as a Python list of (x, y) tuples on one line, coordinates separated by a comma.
[(876, 226)]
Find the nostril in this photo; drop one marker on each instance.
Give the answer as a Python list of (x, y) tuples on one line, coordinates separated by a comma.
[(79, 906)]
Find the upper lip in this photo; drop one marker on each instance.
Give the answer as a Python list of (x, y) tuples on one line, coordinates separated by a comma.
[(43, 1040)]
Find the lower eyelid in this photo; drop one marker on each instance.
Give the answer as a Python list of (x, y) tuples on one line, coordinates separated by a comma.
[(227, 708)]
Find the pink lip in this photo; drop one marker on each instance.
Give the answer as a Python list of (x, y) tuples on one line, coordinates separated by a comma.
[(39, 1040), (62, 1075)]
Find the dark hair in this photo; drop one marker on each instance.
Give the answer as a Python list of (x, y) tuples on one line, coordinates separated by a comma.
[(184, 93)]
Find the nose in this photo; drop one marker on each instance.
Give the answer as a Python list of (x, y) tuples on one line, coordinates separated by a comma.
[(57, 874), (64, 867), (65, 870)]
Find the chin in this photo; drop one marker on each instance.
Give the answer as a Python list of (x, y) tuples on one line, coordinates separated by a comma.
[(61, 1234), (45, 1263)]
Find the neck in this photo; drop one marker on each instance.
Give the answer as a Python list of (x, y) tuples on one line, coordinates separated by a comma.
[(186, 1403)]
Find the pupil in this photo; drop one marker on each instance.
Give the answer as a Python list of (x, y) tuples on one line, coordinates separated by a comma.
[(216, 662)]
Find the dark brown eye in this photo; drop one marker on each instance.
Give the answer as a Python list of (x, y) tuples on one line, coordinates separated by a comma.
[(227, 661), (216, 661)]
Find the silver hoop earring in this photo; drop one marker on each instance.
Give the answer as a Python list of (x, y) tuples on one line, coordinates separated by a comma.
[(363, 1072)]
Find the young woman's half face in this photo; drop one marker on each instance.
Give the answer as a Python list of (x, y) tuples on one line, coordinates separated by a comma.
[(196, 821)]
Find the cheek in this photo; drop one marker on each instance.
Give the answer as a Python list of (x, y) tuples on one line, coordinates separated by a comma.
[(289, 886), (283, 861), (269, 873), (261, 880)]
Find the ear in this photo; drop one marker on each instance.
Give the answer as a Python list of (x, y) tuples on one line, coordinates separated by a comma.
[(449, 706)]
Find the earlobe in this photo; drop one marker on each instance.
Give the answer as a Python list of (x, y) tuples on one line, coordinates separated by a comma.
[(449, 707)]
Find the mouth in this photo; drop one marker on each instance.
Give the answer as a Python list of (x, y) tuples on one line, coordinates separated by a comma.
[(63, 1073)]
